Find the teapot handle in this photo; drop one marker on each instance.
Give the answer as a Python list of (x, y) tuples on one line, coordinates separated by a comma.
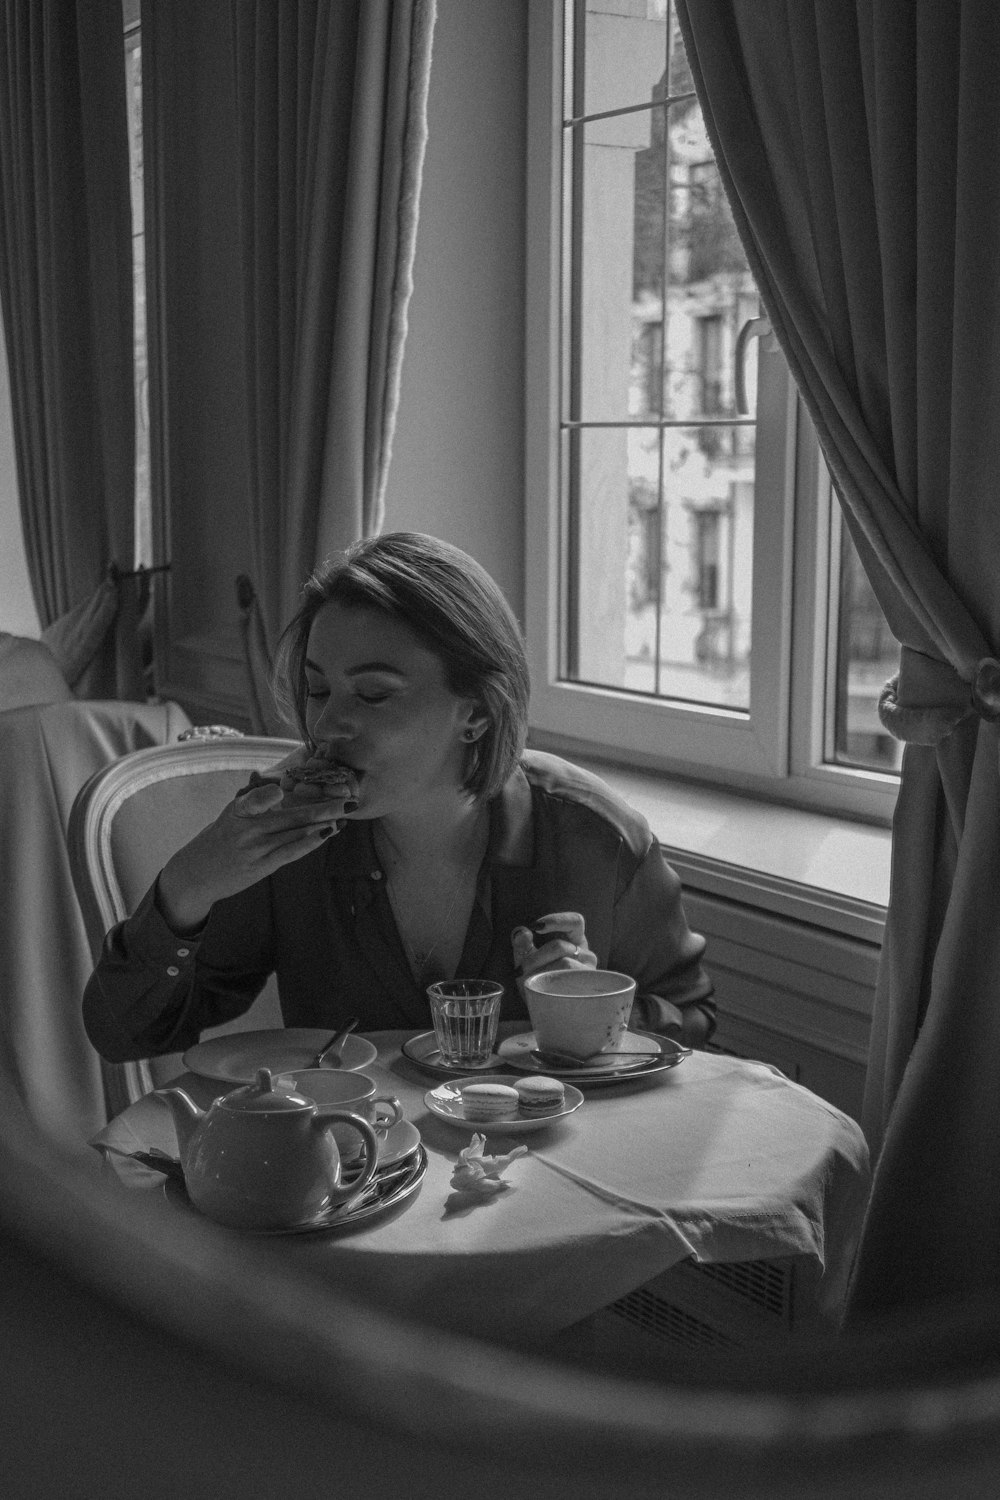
[(325, 1121)]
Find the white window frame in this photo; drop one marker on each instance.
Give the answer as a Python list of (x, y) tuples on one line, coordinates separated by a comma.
[(776, 750)]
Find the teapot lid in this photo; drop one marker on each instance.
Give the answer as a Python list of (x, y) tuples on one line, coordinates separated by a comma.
[(262, 1096)]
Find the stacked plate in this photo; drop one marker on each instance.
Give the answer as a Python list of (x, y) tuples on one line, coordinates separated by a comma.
[(638, 1054), (397, 1178)]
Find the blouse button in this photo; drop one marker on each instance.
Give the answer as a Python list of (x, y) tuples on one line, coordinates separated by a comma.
[(376, 874), (173, 971), (183, 952)]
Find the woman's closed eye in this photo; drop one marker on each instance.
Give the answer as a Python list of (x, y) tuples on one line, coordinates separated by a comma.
[(317, 694)]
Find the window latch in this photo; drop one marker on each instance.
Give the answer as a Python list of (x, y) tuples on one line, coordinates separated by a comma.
[(753, 328)]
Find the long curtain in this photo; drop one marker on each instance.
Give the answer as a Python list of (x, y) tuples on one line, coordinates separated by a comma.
[(331, 121), (66, 288), (858, 142)]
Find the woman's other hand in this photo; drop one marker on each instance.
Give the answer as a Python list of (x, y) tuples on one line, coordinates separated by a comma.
[(556, 941), (254, 835)]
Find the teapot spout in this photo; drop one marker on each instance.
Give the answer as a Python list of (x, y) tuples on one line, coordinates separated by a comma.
[(187, 1115)]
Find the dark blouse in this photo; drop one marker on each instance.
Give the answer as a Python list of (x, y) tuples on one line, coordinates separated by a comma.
[(560, 840)]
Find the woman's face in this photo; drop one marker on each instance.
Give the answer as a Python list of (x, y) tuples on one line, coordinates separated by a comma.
[(378, 700)]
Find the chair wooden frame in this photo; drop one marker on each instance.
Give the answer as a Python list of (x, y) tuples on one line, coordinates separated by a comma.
[(96, 878)]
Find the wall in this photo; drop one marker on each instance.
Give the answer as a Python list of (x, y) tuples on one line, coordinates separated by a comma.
[(458, 458)]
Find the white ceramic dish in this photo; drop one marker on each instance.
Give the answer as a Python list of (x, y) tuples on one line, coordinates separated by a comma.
[(424, 1051), (235, 1058), (387, 1189), (516, 1052), (446, 1102)]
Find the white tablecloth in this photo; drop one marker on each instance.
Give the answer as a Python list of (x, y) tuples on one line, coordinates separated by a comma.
[(721, 1159)]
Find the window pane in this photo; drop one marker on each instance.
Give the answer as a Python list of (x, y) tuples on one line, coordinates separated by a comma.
[(662, 561), (620, 252), (650, 213), (867, 656), (707, 565), (625, 52), (615, 566)]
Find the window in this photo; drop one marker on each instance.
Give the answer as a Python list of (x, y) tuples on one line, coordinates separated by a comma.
[(693, 602)]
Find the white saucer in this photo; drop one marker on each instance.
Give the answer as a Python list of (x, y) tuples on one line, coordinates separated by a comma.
[(235, 1057), (615, 1067), (446, 1102), (424, 1051)]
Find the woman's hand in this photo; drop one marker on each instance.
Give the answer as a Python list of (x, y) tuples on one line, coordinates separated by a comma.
[(263, 828), (566, 948)]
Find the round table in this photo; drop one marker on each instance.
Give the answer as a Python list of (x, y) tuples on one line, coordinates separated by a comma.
[(719, 1159)]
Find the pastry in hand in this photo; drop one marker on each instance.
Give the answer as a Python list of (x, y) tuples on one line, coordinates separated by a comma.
[(324, 777)]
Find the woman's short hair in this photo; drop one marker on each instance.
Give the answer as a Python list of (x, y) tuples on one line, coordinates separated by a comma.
[(455, 609)]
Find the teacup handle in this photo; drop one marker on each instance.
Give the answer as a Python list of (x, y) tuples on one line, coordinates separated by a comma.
[(341, 1193), (393, 1108)]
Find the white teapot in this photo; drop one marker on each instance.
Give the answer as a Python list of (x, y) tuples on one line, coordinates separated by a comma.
[(262, 1158)]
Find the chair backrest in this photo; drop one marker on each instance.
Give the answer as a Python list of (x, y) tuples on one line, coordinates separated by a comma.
[(125, 824)]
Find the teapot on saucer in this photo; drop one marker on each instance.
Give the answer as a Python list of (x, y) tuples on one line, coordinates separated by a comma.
[(262, 1158)]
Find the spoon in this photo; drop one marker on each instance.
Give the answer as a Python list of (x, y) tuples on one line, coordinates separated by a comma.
[(334, 1043), (563, 1059)]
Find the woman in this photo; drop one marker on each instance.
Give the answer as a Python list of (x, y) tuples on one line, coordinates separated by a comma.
[(443, 848)]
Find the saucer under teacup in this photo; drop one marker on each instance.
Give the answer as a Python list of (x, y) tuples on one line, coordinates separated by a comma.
[(627, 1062)]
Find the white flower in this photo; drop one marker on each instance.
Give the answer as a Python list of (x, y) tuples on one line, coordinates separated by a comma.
[(476, 1173)]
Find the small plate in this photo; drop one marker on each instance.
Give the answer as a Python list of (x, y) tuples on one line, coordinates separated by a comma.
[(423, 1050), (516, 1052), (446, 1102), (387, 1189), (235, 1057)]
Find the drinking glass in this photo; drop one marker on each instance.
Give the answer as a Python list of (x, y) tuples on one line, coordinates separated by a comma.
[(465, 1013)]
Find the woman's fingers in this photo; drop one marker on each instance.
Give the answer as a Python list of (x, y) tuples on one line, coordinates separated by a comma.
[(559, 923), (523, 944), (260, 797), (275, 813), (300, 842), (565, 949)]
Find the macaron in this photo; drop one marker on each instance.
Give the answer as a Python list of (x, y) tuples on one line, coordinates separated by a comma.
[(489, 1101), (540, 1096)]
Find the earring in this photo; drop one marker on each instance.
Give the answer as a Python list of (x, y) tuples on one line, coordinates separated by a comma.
[(470, 734)]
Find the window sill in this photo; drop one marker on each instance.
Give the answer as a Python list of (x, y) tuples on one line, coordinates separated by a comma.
[(808, 866)]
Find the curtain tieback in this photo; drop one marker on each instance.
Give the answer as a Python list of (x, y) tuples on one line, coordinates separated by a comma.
[(927, 699)]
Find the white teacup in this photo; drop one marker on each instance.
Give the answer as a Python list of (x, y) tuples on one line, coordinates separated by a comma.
[(334, 1088), (579, 1011)]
